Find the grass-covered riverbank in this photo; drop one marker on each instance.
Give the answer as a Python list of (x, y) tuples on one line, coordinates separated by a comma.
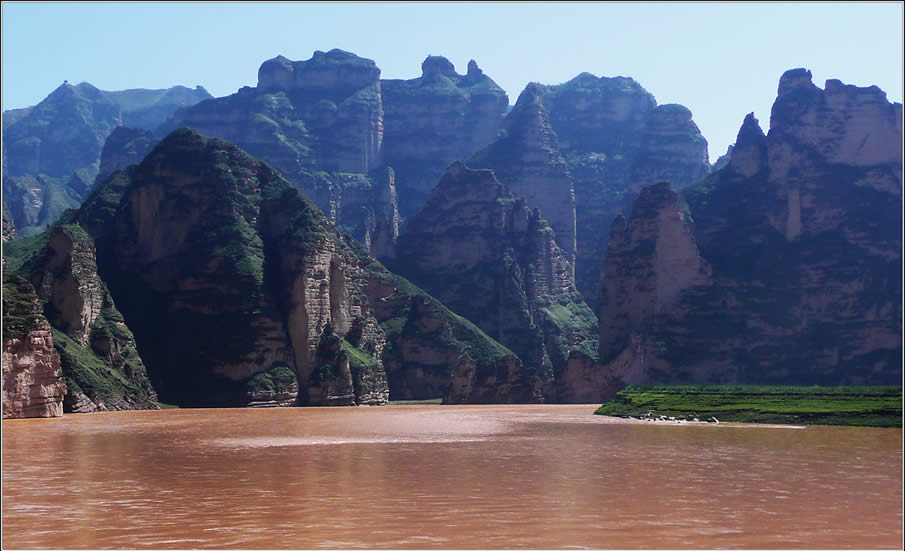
[(869, 406)]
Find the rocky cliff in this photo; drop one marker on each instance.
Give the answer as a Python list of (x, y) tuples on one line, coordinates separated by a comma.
[(51, 151), (240, 292), (791, 270), (615, 140), (528, 162), (100, 364), (123, 147), (436, 119), (32, 382), (492, 259), (320, 123)]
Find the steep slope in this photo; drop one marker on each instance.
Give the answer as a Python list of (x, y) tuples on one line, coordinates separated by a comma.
[(319, 122), (490, 258), (528, 162), (51, 150), (240, 292), (436, 119), (32, 382), (616, 140), (791, 272), (100, 365)]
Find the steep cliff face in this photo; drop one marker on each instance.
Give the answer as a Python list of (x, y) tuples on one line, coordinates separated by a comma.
[(434, 120), (490, 258), (319, 122), (798, 279), (51, 151), (615, 140), (32, 382), (528, 162), (123, 147), (100, 364), (672, 149), (240, 291), (9, 227)]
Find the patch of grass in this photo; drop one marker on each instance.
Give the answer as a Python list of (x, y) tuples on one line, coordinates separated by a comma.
[(879, 406)]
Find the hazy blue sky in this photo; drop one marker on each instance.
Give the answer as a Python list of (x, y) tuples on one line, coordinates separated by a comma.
[(721, 60)]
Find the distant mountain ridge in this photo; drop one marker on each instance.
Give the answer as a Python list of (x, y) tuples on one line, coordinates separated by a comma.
[(51, 150)]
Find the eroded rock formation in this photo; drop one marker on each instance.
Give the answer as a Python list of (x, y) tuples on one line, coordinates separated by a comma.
[(32, 381), (240, 291), (492, 259), (51, 150), (434, 120), (791, 272), (616, 140), (529, 164)]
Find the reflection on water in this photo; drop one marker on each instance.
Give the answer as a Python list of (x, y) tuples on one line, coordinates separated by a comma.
[(442, 477)]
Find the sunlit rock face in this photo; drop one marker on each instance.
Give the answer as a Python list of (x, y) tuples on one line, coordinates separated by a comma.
[(786, 268), (32, 380)]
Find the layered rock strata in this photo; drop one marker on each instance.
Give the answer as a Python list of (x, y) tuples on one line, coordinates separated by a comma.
[(801, 231), (32, 381), (616, 140), (240, 291), (492, 259), (528, 162), (51, 151), (434, 120)]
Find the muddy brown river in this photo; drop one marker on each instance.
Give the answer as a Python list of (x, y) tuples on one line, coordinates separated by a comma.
[(430, 476)]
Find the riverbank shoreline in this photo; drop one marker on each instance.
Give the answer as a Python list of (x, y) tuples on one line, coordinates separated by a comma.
[(859, 406)]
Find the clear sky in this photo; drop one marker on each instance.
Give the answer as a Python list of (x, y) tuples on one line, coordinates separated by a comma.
[(721, 60)]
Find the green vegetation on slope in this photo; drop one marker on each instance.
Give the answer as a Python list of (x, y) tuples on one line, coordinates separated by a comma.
[(876, 406)]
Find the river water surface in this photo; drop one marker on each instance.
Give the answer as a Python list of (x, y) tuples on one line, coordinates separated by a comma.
[(425, 477)]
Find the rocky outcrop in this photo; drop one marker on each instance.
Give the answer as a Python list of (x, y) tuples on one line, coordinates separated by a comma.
[(505, 382), (436, 119), (51, 151), (241, 293), (651, 260), (123, 147), (791, 273), (490, 258), (615, 140), (100, 363), (320, 123), (9, 227), (672, 149), (32, 382), (528, 162)]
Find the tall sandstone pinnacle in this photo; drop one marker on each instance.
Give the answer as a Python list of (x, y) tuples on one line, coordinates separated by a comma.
[(801, 230), (491, 258), (528, 162)]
